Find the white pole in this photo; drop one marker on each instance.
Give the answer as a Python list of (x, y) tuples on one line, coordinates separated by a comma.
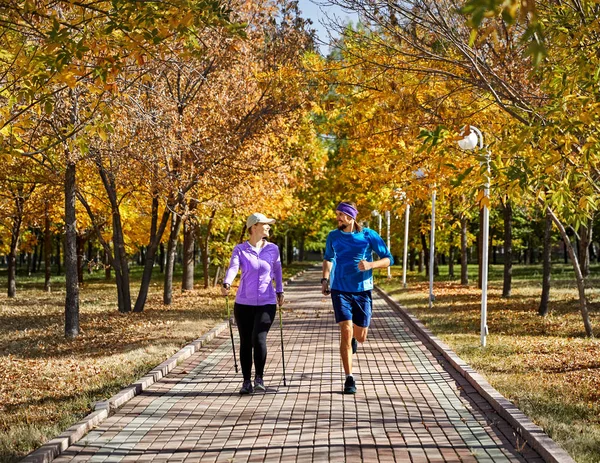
[(466, 144), (484, 267), (405, 256), (387, 216), (379, 224), (432, 250)]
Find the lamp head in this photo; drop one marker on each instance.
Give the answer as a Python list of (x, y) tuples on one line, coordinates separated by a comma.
[(470, 141)]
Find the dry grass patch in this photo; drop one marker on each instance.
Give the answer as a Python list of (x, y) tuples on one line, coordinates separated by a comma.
[(545, 365)]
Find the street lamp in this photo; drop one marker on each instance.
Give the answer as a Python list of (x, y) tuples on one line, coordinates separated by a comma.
[(401, 196), (470, 141), (387, 217), (420, 174)]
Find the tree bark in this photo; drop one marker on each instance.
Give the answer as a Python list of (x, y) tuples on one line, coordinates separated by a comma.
[(464, 258), (156, 233), (189, 238), (59, 243), (578, 274), (47, 248), (585, 238), (425, 253), (72, 284), (176, 220), (80, 245), (507, 282), (547, 267), (206, 248)]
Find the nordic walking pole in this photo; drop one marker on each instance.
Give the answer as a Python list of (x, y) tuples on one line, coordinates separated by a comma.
[(231, 332), (282, 352)]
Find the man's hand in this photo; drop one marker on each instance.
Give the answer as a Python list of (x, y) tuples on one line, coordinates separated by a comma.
[(365, 265), (325, 287)]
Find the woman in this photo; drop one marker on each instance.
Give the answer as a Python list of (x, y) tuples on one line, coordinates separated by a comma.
[(256, 299)]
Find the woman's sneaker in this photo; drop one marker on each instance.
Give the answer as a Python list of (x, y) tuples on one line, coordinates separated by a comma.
[(246, 387), (259, 385)]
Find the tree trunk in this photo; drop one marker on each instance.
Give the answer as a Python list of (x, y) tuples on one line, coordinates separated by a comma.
[(90, 257), (507, 283), (119, 262), (578, 275), (47, 248), (301, 247), (425, 253), (420, 265), (189, 238), (80, 245), (12, 259), (107, 266), (156, 233), (34, 257), (464, 258), (289, 251), (206, 248), (547, 267), (451, 261), (171, 254), (585, 234), (224, 265), (72, 284), (59, 242)]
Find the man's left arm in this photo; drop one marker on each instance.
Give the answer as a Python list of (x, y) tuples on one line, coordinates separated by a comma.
[(379, 247)]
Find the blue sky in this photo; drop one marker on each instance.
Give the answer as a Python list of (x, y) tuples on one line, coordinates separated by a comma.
[(318, 11)]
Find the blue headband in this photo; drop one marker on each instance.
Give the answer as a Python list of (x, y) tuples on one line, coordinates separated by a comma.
[(347, 209)]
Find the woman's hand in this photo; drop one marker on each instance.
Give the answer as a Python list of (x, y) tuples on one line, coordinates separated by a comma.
[(365, 265), (225, 289), (280, 299)]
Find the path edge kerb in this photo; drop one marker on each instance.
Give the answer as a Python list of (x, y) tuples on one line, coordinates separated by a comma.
[(535, 436), (56, 446)]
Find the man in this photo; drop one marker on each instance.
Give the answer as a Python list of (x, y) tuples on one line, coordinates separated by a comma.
[(348, 251)]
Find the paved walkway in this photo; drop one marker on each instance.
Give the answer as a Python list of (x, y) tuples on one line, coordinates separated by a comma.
[(408, 407)]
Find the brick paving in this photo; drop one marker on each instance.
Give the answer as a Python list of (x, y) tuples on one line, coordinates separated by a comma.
[(410, 406)]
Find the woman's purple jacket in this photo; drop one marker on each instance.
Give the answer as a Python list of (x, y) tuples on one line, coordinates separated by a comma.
[(258, 272)]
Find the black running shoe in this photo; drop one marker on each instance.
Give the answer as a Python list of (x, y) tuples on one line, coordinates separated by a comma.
[(354, 345), (246, 387), (350, 385)]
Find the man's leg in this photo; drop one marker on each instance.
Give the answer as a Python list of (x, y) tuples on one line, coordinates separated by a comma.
[(345, 345), (362, 308)]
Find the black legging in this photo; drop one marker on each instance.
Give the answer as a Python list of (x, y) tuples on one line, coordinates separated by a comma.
[(254, 322)]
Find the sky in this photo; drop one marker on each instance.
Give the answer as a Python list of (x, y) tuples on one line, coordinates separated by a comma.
[(318, 11)]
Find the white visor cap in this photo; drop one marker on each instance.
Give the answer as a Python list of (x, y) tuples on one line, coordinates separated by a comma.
[(257, 217)]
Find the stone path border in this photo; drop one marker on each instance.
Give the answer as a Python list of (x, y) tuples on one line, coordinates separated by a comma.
[(530, 432)]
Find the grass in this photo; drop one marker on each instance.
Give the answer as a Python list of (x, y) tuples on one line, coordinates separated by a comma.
[(545, 365), (48, 383)]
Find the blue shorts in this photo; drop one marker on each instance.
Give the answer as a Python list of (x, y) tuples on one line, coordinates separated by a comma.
[(352, 306)]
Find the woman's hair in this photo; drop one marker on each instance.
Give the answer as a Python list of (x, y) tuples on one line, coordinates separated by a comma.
[(357, 226)]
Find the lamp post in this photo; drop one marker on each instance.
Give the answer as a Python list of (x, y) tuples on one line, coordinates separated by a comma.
[(400, 195), (420, 174), (432, 249), (405, 255), (387, 218), (471, 141)]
